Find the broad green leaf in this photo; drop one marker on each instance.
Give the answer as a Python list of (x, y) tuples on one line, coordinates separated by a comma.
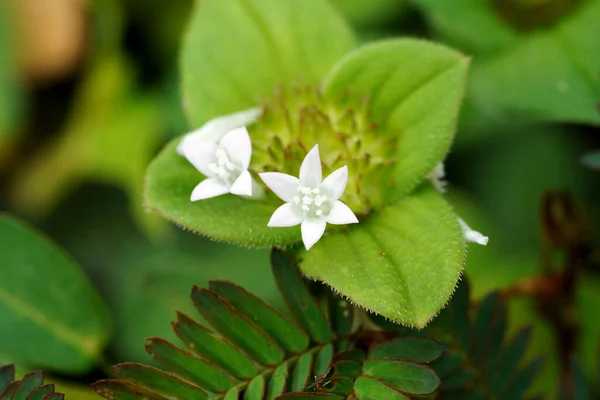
[(236, 327), (417, 349), (226, 70), (415, 90), (51, 314), (567, 89), (192, 368), (301, 303), (373, 389), (170, 180), (120, 390), (158, 381), (279, 328), (402, 262), (592, 160), (405, 376), (213, 347)]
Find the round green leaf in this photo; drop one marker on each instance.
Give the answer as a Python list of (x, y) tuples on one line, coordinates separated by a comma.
[(169, 183), (402, 262), (373, 389), (415, 90), (51, 315), (238, 51), (405, 376)]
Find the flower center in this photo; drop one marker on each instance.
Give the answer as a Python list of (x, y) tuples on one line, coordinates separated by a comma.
[(312, 202), (297, 118), (226, 170)]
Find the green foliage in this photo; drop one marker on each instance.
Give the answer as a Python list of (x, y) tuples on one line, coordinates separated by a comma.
[(372, 14), (508, 77), (51, 315), (9, 95), (31, 387), (255, 352), (481, 362)]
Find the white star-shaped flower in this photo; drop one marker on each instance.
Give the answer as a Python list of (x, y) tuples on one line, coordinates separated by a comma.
[(310, 200), (224, 163), (215, 129)]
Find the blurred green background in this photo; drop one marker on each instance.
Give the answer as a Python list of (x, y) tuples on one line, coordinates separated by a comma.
[(89, 94)]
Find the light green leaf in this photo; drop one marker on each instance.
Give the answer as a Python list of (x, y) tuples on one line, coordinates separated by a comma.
[(169, 183), (402, 262), (226, 69), (51, 315), (415, 90), (373, 389)]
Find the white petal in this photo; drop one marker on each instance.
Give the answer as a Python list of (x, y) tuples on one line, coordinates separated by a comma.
[(341, 214), (216, 128), (472, 236), (312, 230), (209, 188), (436, 177), (242, 185), (285, 186), (201, 154), (286, 215), (335, 183), (310, 170), (238, 146)]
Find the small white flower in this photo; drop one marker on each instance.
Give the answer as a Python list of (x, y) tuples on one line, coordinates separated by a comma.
[(310, 200), (224, 163), (472, 236), (215, 129), (436, 177)]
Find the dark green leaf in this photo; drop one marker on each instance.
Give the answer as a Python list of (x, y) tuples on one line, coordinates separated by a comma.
[(301, 303), (188, 366), (213, 348), (279, 328), (60, 396), (236, 327), (323, 361), (405, 376), (341, 314), (9, 391), (158, 381), (488, 332), (348, 369), (7, 375), (308, 396), (373, 389), (592, 160), (302, 371), (41, 392), (510, 358), (350, 355), (417, 349), (448, 363), (458, 379), (277, 382), (521, 383), (119, 390), (255, 389), (27, 384)]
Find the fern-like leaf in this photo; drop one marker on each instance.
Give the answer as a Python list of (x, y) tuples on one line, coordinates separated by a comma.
[(31, 387), (252, 351)]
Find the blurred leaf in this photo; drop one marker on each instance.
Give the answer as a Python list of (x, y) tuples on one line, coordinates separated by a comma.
[(51, 314), (9, 94), (244, 322), (110, 137), (386, 275), (30, 387), (592, 160), (225, 70), (374, 13)]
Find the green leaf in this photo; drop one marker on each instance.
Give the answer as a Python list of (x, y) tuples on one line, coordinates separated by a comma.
[(301, 303), (592, 160), (406, 376), (170, 180), (277, 382), (41, 392), (415, 90), (387, 275), (51, 313), (28, 384), (194, 369), (7, 375), (566, 90), (213, 347), (225, 70), (373, 389), (370, 14), (273, 323), (121, 390), (302, 371), (256, 389), (158, 381), (237, 327), (323, 361), (417, 349)]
